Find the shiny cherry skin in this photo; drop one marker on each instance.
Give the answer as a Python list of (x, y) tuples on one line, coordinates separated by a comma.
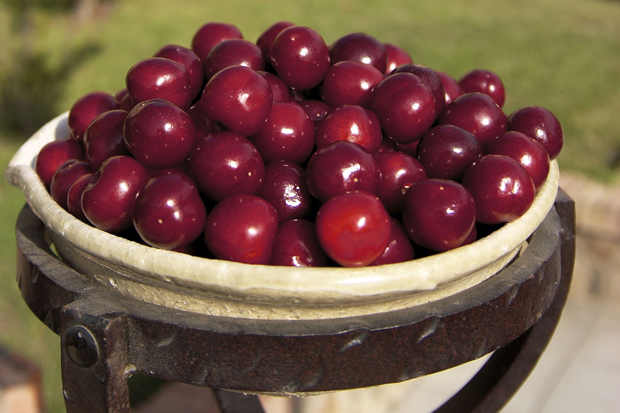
[(285, 187), (74, 197), (501, 187), (55, 153), (288, 134), (478, 114), (396, 56), (242, 228), (353, 228), (399, 247), (359, 47), (279, 90), (210, 34), (159, 78), (104, 137), (189, 60), (405, 107), (525, 150), (169, 212), (109, 197), (446, 151), (541, 125), (341, 167), (226, 163), (300, 57), (349, 83), (439, 214), (158, 133), (86, 109), (430, 79), (451, 87), (65, 177), (233, 52), (202, 124), (296, 245), (350, 123), (239, 98), (265, 40), (316, 109), (398, 171), (484, 81)]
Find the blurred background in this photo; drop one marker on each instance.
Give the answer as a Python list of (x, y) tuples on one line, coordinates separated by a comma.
[(562, 55)]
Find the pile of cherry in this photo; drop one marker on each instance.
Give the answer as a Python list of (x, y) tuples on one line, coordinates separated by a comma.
[(288, 151)]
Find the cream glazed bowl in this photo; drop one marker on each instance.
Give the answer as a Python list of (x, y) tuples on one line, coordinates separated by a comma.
[(218, 287)]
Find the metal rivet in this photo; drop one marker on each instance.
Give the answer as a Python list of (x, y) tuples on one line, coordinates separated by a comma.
[(81, 346)]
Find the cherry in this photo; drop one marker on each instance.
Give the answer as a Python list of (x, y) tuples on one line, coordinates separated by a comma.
[(239, 98), (541, 125), (232, 52), (398, 171), (74, 197), (341, 167), (104, 137), (430, 79), (285, 187), (300, 57), (399, 247), (451, 87), (109, 197), (288, 134), (87, 108), (124, 99), (478, 114), (226, 163), (210, 34), (242, 228), (316, 109), (484, 81), (439, 214), (65, 176), (349, 83), (202, 124), (189, 60), (265, 40), (350, 123), (55, 153), (525, 150), (296, 245), (446, 151), (396, 56), (353, 228), (168, 212), (159, 78), (158, 133), (410, 148), (359, 47), (501, 187), (404, 105), (279, 90)]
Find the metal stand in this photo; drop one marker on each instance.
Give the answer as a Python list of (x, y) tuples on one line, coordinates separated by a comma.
[(106, 337)]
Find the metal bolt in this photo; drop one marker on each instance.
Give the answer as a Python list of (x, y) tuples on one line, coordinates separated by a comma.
[(81, 346)]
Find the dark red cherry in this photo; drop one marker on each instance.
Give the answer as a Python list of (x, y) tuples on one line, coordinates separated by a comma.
[(399, 247), (501, 187), (54, 154), (350, 123), (265, 40), (124, 99), (525, 150), (189, 60), (210, 34), (439, 214), (226, 163), (484, 81), (169, 212), (109, 197), (300, 57), (353, 228), (159, 78), (396, 56), (349, 83), (104, 137), (341, 167), (241, 228), (203, 125), (285, 187), (233, 52), (478, 114), (316, 109), (541, 125), (74, 197), (239, 98), (65, 177), (359, 47), (159, 134), (446, 151), (430, 79), (288, 134), (297, 245), (279, 90), (451, 87), (86, 109), (398, 172)]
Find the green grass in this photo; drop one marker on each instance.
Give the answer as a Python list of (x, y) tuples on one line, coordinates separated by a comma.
[(563, 55)]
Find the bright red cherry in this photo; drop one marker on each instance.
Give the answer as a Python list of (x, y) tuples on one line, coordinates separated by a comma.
[(350, 123), (189, 60), (285, 187), (54, 154), (296, 245), (349, 83), (396, 56), (398, 171), (210, 34), (65, 177), (451, 87), (359, 47), (399, 247), (104, 137), (265, 40), (279, 90), (74, 197), (86, 109), (233, 52), (316, 109), (430, 79), (541, 125), (484, 81)]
